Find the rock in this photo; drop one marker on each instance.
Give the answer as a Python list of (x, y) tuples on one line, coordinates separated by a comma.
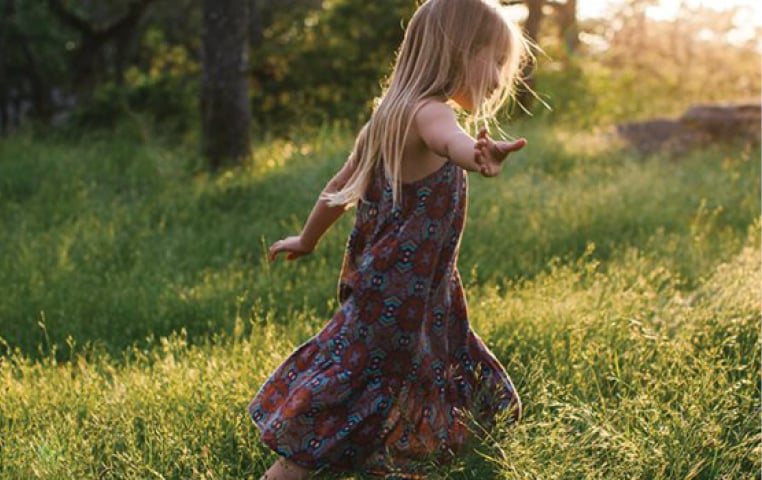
[(699, 125), (725, 121), (661, 134)]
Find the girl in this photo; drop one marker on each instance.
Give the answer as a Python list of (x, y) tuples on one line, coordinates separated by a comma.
[(397, 371)]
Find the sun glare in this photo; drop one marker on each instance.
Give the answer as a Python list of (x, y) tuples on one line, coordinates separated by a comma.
[(748, 19), (668, 9)]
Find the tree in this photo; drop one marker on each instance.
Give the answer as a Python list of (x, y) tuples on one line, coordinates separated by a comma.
[(225, 109), (566, 19), (94, 38), (525, 93), (22, 76)]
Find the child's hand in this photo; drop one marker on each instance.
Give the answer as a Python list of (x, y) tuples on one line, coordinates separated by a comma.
[(490, 154), (293, 245)]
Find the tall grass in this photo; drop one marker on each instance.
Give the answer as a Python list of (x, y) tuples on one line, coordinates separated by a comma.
[(139, 314), (108, 240)]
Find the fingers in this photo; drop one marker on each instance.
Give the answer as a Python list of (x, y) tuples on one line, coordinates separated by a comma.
[(508, 147), (274, 250), (485, 144), (278, 247), (481, 146), (489, 154), (482, 139), (489, 171), (482, 154), (289, 245), (289, 255), (500, 147), (478, 157)]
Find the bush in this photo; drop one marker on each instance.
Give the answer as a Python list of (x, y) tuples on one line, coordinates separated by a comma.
[(169, 101)]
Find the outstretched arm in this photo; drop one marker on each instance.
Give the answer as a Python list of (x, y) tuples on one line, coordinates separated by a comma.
[(440, 131), (319, 221)]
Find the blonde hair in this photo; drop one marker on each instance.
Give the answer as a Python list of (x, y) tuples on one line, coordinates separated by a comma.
[(432, 62)]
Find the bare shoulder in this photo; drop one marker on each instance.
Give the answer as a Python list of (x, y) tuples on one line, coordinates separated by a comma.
[(433, 110), (426, 113), (436, 124)]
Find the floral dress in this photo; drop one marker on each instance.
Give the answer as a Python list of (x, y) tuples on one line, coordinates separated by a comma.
[(397, 374)]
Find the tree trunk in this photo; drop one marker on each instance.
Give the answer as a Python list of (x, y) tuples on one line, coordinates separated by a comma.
[(525, 94), (566, 15), (7, 11), (225, 108), (23, 70)]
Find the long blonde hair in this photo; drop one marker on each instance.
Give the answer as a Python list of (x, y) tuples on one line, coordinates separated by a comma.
[(442, 37)]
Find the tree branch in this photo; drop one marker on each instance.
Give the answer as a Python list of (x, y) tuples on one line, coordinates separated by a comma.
[(70, 18), (132, 16), (134, 12)]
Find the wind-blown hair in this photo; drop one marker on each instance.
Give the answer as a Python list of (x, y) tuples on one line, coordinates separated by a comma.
[(441, 39)]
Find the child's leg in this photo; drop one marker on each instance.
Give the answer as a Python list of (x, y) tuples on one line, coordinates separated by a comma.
[(284, 469)]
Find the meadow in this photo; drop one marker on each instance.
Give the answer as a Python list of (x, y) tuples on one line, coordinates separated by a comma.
[(139, 314)]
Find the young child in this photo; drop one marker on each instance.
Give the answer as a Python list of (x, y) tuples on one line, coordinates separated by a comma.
[(397, 373)]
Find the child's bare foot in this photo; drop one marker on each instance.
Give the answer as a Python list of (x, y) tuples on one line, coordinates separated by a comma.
[(284, 469)]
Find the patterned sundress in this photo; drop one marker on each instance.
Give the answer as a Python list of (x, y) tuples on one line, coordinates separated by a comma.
[(397, 374)]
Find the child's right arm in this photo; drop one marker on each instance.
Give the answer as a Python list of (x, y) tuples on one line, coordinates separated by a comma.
[(320, 219), (440, 131)]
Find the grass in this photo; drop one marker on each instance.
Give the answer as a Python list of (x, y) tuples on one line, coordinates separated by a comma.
[(139, 314)]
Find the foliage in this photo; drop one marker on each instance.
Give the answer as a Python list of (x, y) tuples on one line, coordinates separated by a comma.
[(164, 87), (639, 67), (329, 65), (34, 52), (166, 100), (314, 61)]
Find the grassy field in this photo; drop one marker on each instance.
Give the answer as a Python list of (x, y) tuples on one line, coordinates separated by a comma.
[(139, 314)]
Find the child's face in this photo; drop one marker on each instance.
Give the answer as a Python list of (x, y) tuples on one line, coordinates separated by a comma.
[(484, 77)]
